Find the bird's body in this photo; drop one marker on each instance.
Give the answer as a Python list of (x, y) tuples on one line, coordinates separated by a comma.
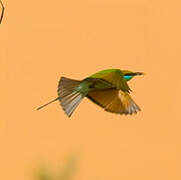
[(107, 88)]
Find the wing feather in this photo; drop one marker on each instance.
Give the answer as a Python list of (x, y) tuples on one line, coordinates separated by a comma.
[(115, 101)]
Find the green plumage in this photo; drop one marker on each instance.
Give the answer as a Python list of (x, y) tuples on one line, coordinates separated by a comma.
[(107, 88), (115, 77)]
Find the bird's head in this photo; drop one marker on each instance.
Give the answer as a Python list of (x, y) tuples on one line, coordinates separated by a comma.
[(128, 75)]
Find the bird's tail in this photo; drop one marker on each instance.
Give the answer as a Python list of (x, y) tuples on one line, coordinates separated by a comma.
[(68, 95), (47, 103)]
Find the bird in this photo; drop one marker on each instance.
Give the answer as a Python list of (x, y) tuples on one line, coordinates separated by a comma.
[(107, 88)]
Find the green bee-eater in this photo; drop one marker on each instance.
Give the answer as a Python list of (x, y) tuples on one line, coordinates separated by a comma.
[(107, 88)]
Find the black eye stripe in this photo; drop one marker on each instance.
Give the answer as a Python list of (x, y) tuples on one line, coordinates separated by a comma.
[(130, 74)]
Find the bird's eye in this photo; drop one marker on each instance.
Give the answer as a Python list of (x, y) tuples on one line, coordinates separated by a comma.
[(127, 77)]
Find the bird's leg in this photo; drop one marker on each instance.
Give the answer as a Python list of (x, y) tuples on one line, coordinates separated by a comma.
[(2, 12)]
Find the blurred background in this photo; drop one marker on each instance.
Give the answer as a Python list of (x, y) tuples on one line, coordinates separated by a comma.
[(65, 173), (40, 41)]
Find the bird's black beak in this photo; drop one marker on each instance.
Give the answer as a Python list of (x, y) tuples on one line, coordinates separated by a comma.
[(138, 73)]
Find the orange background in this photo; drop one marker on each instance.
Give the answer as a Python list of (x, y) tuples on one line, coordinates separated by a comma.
[(40, 41)]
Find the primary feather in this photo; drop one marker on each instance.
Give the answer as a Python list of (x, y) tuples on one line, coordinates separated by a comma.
[(115, 101)]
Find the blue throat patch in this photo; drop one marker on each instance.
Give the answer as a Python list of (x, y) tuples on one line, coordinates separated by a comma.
[(127, 77)]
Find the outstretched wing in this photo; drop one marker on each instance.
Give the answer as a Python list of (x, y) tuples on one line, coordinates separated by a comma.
[(115, 101), (113, 76)]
